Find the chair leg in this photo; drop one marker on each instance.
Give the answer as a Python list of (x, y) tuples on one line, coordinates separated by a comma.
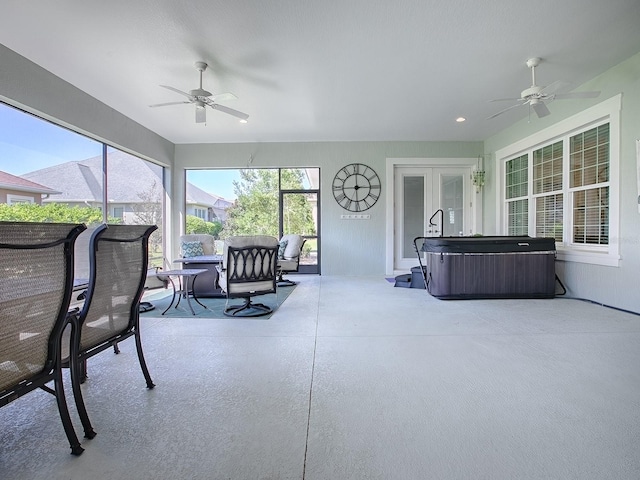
[(259, 309), (285, 282), (74, 443), (143, 363), (77, 372)]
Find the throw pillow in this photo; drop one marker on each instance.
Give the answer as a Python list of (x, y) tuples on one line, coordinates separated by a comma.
[(282, 246), (191, 249)]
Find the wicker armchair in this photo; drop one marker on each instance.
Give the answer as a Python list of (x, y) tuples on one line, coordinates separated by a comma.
[(248, 269), (36, 282), (118, 259)]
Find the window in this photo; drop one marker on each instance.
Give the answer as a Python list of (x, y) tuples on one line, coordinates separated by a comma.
[(560, 183), (517, 178), (135, 192), (268, 201), (200, 213), (71, 167), (13, 199)]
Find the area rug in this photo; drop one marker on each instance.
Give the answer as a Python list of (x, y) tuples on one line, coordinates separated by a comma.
[(215, 306)]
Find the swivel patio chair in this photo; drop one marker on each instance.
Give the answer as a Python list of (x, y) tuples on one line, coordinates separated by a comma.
[(248, 269), (289, 257), (110, 314), (36, 261)]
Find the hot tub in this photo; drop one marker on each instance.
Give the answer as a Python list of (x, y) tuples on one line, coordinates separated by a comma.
[(489, 267)]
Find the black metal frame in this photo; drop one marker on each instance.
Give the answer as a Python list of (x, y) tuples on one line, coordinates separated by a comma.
[(78, 357), (423, 268), (307, 269), (52, 370), (258, 264)]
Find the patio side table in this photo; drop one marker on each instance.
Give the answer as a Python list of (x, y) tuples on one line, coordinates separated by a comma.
[(186, 278)]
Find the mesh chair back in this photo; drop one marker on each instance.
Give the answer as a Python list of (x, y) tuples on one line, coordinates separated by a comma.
[(119, 258), (36, 279)]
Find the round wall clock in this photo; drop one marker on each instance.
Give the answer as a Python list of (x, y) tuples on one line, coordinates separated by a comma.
[(356, 187)]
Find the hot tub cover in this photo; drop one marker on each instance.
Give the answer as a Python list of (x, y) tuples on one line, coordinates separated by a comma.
[(498, 244)]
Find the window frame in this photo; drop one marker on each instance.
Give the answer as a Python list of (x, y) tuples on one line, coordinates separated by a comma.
[(606, 111), (13, 199)]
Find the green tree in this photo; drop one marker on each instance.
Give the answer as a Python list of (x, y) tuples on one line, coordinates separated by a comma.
[(255, 212), (149, 212), (198, 225), (51, 212)]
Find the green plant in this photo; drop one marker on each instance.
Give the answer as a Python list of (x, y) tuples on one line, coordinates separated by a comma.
[(198, 225)]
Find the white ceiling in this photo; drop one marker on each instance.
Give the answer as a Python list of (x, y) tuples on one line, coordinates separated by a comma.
[(323, 70)]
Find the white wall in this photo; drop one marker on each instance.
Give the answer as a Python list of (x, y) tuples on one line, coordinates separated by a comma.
[(615, 286), (349, 247)]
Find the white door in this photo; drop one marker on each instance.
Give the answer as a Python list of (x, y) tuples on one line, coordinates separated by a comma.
[(429, 202)]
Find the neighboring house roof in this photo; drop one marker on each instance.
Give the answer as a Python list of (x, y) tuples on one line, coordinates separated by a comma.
[(20, 184), (129, 178), (81, 181), (198, 196)]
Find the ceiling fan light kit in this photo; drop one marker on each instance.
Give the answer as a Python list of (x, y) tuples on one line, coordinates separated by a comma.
[(536, 96), (202, 98)]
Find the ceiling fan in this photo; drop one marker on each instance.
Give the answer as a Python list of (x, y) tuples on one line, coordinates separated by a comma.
[(202, 98), (535, 96)]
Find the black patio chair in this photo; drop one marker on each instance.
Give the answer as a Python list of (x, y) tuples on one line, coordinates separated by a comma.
[(118, 270), (248, 269), (36, 283)]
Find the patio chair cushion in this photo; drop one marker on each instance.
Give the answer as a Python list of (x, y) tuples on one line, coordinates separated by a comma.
[(282, 246), (207, 241), (294, 243), (249, 287), (191, 249)]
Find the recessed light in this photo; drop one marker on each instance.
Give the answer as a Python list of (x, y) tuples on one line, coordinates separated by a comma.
[(460, 119), (243, 121)]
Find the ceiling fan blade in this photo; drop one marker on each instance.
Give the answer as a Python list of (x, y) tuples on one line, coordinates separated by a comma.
[(554, 87), (505, 100), (167, 103), (541, 109), (230, 111), (189, 96), (505, 110), (218, 97), (563, 96), (201, 115)]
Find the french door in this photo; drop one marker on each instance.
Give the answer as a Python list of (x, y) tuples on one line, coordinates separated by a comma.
[(429, 202)]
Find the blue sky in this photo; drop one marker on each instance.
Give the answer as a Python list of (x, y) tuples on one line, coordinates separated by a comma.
[(219, 182), (28, 143)]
